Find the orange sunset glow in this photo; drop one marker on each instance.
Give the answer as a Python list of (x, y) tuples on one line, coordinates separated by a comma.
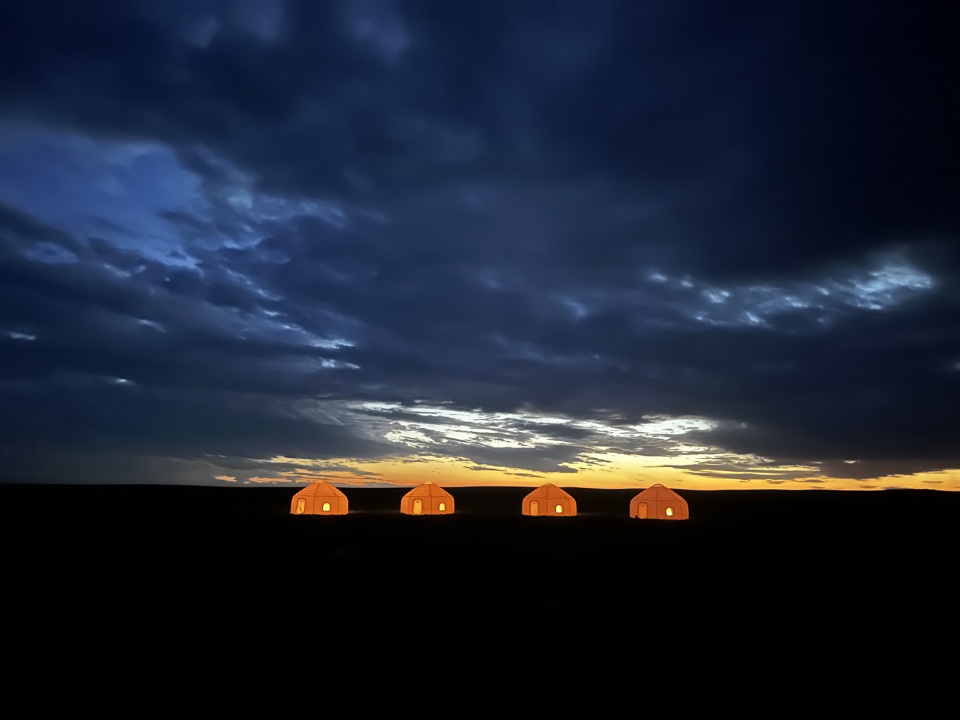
[(617, 472)]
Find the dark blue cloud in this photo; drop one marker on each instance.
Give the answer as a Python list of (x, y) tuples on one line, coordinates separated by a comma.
[(608, 210)]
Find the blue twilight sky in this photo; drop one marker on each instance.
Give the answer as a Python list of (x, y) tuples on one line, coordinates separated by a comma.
[(276, 238)]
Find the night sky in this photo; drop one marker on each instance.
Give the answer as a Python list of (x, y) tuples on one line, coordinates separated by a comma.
[(483, 242)]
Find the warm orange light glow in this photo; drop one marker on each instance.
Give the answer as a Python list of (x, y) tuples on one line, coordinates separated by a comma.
[(603, 470), (319, 498), (659, 503), (549, 494), (427, 499)]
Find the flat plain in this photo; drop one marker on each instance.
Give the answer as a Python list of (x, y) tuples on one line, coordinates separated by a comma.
[(765, 566)]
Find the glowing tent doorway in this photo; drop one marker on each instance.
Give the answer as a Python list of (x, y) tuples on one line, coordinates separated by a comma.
[(320, 498), (659, 503), (549, 501), (427, 499)]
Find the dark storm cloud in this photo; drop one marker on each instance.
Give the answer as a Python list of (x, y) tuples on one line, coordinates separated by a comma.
[(769, 472), (869, 470), (65, 466), (602, 210), (92, 359)]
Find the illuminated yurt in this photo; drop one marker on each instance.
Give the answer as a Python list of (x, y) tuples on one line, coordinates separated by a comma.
[(320, 498), (659, 503), (549, 501), (427, 499)]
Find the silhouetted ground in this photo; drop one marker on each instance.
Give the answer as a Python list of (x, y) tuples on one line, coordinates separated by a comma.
[(832, 570)]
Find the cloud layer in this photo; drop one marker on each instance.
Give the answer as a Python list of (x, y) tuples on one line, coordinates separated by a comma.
[(521, 235)]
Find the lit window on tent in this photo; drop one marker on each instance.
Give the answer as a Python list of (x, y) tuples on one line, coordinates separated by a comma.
[(326, 507), (559, 509), (443, 506), (669, 512)]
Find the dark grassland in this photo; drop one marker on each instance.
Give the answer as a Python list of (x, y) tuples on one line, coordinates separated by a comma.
[(140, 564)]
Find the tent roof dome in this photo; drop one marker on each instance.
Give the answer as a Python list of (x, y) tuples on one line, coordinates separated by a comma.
[(658, 492), (321, 487), (428, 489), (549, 490)]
